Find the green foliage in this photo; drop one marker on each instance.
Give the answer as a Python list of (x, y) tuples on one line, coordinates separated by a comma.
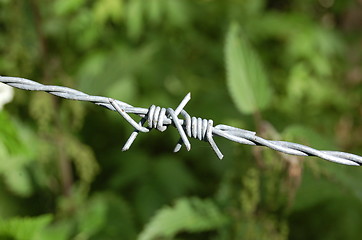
[(24, 228), (250, 197), (246, 78), (16, 153), (105, 216), (188, 215), (291, 67)]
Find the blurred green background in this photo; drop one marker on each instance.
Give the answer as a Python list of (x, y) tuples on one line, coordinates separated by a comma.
[(290, 70)]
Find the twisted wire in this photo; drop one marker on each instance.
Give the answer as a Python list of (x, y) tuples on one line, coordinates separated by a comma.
[(189, 127), (155, 117)]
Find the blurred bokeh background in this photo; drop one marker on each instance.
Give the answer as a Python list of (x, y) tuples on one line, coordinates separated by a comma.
[(290, 70)]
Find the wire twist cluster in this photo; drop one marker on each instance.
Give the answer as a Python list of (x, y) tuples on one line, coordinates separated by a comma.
[(188, 127), (160, 118)]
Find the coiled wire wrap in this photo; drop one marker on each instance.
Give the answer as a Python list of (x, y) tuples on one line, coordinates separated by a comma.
[(202, 129), (155, 117)]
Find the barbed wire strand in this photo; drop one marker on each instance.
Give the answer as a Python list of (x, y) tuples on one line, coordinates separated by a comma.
[(188, 127)]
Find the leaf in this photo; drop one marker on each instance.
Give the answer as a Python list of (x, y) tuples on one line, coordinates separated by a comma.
[(118, 222), (25, 228), (18, 181), (92, 217), (9, 136), (190, 215), (15, 155), (60, 230), (247, 81)]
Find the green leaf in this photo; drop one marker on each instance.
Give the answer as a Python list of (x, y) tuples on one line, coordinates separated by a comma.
[(116, 222), (190, 215), (9, 136), (16, 150), (18, 181), (247, 81), (25, 228), (92, 217)]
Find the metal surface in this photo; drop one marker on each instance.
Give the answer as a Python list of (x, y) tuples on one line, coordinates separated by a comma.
[(188, 127)]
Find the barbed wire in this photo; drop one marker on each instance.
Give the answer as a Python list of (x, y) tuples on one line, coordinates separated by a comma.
[(189, 127)]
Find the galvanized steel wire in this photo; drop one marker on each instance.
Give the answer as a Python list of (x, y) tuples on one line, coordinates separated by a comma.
[(188, 127)]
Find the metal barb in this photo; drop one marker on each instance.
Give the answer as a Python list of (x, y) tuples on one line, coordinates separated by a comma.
[(155, 118), (123, 113), (202, 129)]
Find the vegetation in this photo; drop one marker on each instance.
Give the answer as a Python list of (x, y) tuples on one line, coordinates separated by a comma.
[(289, 70)]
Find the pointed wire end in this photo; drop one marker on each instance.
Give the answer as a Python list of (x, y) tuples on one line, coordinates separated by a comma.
[(178, 145), (215, 147), (130, 140), (188, 146), (186, 99), (125, 149), (182, 104), (177, 148), (217, 151), (143, 129)]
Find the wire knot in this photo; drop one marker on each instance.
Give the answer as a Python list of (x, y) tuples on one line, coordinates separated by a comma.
[(197, 127), (155, 118), (159, 118)]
